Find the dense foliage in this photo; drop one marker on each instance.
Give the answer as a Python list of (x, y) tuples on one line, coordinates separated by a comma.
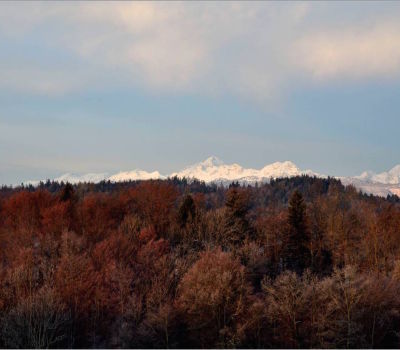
[(299, 262)]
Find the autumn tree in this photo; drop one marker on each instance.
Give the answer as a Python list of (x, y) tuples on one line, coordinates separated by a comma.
[(286, 305), (361, 310), (39, 321), (155, 201), (182, 264), (212, 298)]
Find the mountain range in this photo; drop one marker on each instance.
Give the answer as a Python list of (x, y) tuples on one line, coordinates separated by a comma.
[(215, 170)]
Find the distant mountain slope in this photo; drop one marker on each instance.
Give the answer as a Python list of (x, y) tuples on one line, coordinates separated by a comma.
[(391, 177), (135, 175), (75, 178), (215, 170), (377, 189), (380, 184)]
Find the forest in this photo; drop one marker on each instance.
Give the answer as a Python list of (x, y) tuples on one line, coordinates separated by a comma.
[(300, 262)]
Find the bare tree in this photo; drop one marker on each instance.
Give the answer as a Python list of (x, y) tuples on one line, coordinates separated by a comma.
[(37, 322)]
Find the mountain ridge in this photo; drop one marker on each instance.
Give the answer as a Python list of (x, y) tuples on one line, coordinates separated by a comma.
[(214, 170)]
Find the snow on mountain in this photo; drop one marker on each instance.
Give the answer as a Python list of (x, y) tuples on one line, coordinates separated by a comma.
[(135, 175), (212, 169), (283, 169), (377, 189), (75, 178), (382, 184), (215, 170), (391, 177), (98, 177)]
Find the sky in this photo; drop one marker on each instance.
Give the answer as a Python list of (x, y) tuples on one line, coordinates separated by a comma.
[(109, 86)]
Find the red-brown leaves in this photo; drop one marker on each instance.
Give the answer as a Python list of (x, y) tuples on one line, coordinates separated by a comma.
[(139, 265), (98, 214), (155, 201)]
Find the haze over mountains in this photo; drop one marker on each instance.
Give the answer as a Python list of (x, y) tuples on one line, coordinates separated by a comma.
[(215, 170)]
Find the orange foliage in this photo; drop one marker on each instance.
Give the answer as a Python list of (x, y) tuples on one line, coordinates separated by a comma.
[(128, 265)]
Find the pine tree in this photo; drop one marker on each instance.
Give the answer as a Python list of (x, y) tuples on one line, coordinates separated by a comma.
[(187, 210), (237, 226), (67, 193), (297, 255)]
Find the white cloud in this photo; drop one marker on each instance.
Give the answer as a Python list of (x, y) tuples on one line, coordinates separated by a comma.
[(251, 50), (352, 52)]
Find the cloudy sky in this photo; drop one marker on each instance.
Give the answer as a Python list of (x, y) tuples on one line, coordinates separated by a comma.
[(108, 86)]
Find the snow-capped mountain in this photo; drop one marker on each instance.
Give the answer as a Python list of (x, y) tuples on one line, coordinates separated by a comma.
[(98, 177), (212, 169), (381, 184), (135, 175), (75, 178), (215, 170), (391, 177), (375, 188)]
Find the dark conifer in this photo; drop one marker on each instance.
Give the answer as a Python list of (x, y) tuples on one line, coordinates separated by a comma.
[(67, 193), (237, 226), (187, 210), (297, 256)]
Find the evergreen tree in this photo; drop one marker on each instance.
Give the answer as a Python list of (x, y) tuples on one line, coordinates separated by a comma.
[(237, 226), (187, 210), (297, 256), (67, 193)]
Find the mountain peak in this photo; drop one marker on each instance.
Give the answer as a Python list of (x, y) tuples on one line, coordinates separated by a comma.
[(290, 164), (281, 169), (212, 161), (387, 177), (395, 170)]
